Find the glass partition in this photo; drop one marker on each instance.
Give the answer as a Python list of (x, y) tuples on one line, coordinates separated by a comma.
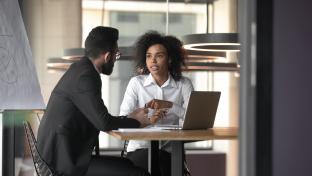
[(53, 27), (133, 18)]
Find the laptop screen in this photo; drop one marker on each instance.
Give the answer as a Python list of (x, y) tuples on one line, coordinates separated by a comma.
[(201, 110)]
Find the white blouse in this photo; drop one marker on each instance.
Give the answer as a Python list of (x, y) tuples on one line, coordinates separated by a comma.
[(143, 88)]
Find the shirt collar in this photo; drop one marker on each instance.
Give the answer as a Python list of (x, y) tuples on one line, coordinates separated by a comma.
[(150, 80)]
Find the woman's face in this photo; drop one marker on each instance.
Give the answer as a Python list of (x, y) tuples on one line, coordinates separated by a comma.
[(157, 60)]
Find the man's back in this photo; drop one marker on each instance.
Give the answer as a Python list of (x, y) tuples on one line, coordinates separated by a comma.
[(74, 115), (64, 129)]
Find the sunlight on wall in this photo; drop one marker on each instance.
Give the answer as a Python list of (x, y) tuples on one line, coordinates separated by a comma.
[(93, 14)]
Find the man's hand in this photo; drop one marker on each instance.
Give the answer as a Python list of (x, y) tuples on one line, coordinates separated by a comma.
[(159, 104), (140, 115)]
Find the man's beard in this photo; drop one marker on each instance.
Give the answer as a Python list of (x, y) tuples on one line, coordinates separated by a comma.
[(107, 68)]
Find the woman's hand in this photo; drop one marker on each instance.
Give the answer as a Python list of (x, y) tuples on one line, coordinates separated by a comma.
[(159, 104), (158, 114)]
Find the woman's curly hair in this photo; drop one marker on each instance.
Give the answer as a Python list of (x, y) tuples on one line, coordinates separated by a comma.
[(175, 52)]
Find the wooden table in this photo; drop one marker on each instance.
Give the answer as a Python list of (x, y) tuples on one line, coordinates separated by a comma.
[(177, 138)]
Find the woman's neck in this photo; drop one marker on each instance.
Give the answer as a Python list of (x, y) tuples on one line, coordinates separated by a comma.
[(160, 79)]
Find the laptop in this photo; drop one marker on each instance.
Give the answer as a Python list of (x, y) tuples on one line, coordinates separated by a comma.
[(200, 113)]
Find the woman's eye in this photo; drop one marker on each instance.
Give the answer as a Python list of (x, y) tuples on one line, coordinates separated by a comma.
[(160, 56)]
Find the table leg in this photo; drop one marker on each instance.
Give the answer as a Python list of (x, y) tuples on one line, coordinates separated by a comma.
[(177, 158), (153, 153)]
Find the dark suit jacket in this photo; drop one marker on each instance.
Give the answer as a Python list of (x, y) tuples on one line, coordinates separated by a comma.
[(73, 118)]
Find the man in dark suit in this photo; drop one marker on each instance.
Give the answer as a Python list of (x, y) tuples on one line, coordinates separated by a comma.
[(76, 113)]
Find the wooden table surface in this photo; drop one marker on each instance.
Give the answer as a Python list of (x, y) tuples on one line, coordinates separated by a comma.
[(209, 134)]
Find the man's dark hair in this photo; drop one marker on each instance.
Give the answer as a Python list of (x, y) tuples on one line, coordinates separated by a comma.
[(174, 47), (100, 39)]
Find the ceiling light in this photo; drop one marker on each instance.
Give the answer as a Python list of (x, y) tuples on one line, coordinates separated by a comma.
[(212, 66), (194, 56), (73, 53), (212, 42), (59, 64)]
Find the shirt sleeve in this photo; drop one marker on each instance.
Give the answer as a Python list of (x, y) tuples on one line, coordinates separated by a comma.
[(187, 88), (88, 100), (130, 100)]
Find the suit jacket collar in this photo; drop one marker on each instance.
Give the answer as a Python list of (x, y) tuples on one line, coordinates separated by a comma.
[(88, 60)]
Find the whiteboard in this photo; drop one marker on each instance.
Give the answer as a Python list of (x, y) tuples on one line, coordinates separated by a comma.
[(19, 86)]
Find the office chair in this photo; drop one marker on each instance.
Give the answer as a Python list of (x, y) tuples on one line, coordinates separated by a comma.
[(41, 167)]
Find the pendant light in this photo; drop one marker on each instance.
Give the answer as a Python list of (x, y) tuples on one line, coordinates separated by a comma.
[(208, 51), (73, 53), (211, 42)]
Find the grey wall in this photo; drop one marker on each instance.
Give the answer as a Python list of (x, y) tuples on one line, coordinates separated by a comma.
[(292, 86)]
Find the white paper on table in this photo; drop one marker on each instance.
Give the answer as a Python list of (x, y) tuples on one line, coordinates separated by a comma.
[(140, 130)]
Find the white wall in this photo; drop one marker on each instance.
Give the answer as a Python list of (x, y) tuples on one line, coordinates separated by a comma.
[(51, 27)]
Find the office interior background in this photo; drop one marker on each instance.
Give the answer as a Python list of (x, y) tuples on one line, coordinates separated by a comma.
[(274, 86)]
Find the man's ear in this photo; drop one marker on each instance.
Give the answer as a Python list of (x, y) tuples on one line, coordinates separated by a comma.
[(106, 57)]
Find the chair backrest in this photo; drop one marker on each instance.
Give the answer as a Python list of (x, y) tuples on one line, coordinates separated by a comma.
[(41, 166)]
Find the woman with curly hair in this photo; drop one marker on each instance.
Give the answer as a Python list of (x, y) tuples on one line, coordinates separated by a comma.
[(159, 86)]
